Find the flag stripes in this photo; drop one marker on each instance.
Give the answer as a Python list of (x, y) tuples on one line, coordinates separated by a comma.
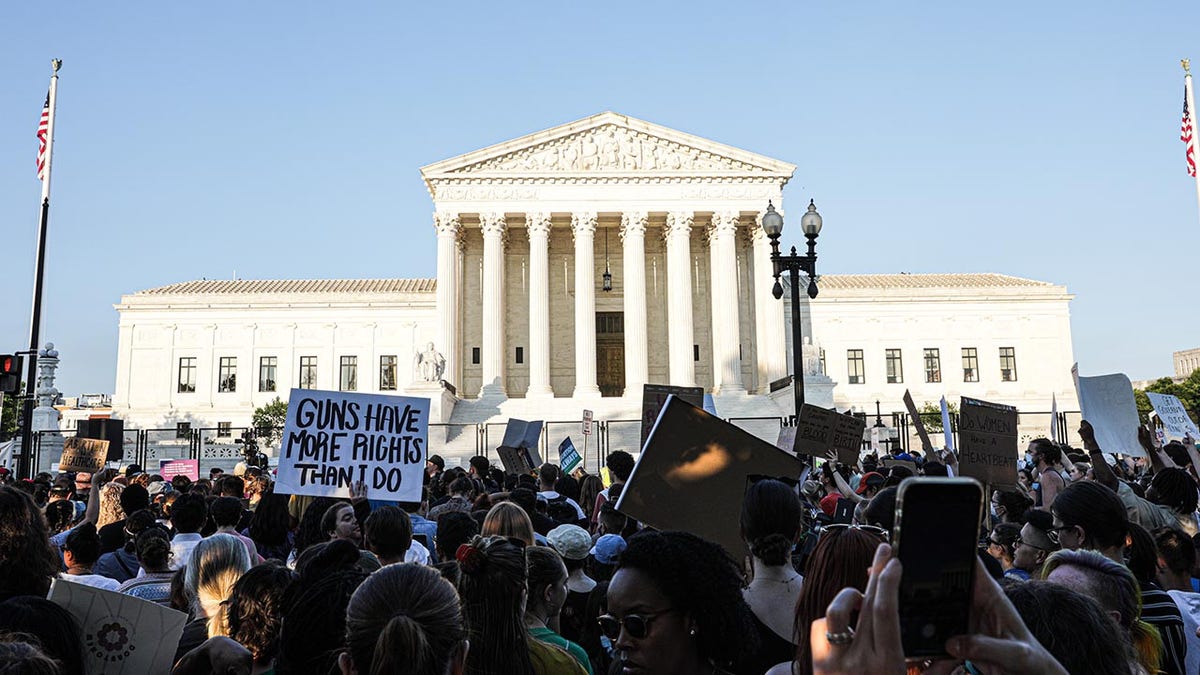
[(42, 130)]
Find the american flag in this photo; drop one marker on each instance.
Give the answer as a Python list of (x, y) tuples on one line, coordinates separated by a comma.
[(44, 128), (1186, 134)]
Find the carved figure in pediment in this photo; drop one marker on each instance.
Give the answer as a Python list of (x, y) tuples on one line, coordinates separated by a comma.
[(609, 150), (568, 157), (631, 152), (649, 152), (674, 160), (589, 153)]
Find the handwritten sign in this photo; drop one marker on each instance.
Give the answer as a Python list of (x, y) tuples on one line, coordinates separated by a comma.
[(654, 397), (1175, 419), (692, 474), (821, 430), (121, 633), (169, 468), (568, 456), (926, 445), (787, 439), (83, 454), (332, 439), (1107, 403), (987, 441)]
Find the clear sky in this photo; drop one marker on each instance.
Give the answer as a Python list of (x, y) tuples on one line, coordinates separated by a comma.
[(283, 140)]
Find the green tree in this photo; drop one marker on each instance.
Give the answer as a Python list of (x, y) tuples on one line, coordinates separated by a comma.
[(12, 410), (1187, 391), (269, 420), (931, 415)]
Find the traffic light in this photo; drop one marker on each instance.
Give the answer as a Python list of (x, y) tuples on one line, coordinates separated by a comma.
[(10, 373)]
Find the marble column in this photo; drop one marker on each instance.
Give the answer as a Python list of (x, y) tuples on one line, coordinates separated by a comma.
[(537, 225), (727, 378), (583, 226), (492, 356), (680, 335), (449, 341), (633, 268), (768, 313)]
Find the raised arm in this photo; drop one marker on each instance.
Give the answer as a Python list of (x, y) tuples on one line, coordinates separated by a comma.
[(1103, 472), (1159, 460), (842, 486)]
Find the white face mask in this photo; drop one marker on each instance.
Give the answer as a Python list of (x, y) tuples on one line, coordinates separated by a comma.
[(995, 511)]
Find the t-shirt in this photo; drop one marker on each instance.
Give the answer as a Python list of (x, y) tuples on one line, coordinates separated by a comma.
[(550, 495), (1152, 516), (1189, 607), (94, 580), (547, 636), (1159, 610)]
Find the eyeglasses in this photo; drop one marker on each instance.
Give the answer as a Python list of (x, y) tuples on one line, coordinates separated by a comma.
[(636, 625), (1053, 533), (1021, 542), (869, 529)]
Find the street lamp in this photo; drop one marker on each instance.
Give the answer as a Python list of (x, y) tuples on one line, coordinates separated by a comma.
[(772, 225)]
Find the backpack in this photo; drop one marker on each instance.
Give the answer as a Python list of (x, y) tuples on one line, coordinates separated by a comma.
[(561, 511)]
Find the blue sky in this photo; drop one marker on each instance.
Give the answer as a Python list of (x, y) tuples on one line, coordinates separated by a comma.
[(284, 139)]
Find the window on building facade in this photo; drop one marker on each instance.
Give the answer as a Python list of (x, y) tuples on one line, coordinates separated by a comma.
[(266, 373), (933, 365), (895, 368), (1008, 364), (475, 356), (855, 368), (187, 375), (823, 371), (387, 373), (695, 352), (520, 355), (348, 374), (970, 361), (227, 374), (183, 429), (308, 372), (224, 429)]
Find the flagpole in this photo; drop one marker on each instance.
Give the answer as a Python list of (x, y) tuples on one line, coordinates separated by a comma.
[(25, 467), (1191, 106)]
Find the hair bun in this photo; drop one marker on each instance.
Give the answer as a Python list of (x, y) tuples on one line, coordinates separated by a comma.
[(772, 549)]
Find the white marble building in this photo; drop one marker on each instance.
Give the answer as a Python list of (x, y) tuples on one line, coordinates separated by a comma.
[(525, 231)]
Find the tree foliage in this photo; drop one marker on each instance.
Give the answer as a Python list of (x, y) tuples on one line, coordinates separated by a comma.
[(269, 420), (1187, 391), (931, 415)]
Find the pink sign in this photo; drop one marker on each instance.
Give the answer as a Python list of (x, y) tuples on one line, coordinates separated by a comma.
[(169, 468)]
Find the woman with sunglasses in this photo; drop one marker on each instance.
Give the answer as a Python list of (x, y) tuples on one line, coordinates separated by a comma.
[(1001, 542), (675, 607)]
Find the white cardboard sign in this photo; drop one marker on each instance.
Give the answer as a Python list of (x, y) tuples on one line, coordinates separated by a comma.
[(1175, 419), (1107, 403), (334, 438)]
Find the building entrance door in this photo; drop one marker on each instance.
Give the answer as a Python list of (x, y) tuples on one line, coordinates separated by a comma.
[(610, 353)]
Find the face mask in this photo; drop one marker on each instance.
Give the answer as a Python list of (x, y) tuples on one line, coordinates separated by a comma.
[(995, 511)]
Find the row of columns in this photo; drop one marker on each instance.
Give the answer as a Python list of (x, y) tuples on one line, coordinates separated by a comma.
[(726, 320)]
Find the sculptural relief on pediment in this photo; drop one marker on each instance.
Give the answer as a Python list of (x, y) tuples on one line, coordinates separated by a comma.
[(610, 148)]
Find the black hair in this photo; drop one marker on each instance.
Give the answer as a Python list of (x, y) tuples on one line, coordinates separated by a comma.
[(1073, 627), (27, 560), (1006, 535), (1040, 519), (771, 517), (934, 468), (60, 515), (54, 627), (84, 544), (1173, 487), (232, 486), (1015, 504), (189, 512), (153, 549), (481, 465), (881, 510), (315, 606), (226, 511), (462, 486), (22, 654), (135, 524), (620, 463), (181, 483), (491, 586), (524, 498), (1097, 510), (454, 529), (1048, 449), (309, 532), (271, 521), (1141, 556), (329, 518), (134, 498), (696, 576), (568, 487), (1176, 550), (543, 567), (255, 609), (388, 532), (1177, 452)]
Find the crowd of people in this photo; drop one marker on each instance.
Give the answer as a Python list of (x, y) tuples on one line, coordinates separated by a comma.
[(1087, 564)]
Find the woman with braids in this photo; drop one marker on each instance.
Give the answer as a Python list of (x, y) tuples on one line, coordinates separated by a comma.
[(675, 607), (492, 589), (153, 550), (405, 618), (547, 592), (269, 527), (771, 518), (121, 564)]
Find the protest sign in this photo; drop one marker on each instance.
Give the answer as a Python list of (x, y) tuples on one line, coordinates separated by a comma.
[(568, 457), (692, 474), (654, 397), (515, 460), (889, 462), (83, 454), (524, 436), (946, 430), (587, 422), (821, 430), (1175, 420), (121, 633), (926, 445), (1106, 402), (787, 439), (987, 442), (169, 468), (332, 439)]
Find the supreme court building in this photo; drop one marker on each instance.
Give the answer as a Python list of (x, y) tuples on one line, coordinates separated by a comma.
[(575, 265)]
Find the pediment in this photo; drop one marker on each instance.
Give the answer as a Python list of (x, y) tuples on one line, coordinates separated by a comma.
[(610, 144)]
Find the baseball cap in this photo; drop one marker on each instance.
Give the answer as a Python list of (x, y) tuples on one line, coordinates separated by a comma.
[(437, 461), (158, 487), (571, 541), (608, 549), (870, 479), (133, 470), (829, 504)]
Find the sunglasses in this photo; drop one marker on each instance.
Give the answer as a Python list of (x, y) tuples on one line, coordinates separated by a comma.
[(1053, 533), (636, 625), (869, 529)]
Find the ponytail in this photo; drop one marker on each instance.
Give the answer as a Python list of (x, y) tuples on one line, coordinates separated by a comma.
[(772, 549), (1148, 644), (402, 645)]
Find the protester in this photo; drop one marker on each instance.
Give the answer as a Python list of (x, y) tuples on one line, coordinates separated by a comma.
[(453, 530), (389, 536), (1009, 506), (314, 626), (1088, 515), (131, 499), (216, 563), (110, 504), (226, 513), (620, 466), (1002, 544), (254, 613), (604, 556), (1032, 546), (546, 584), (661, 605), (121, 565), (1114, 587), (770, 524), (590, 488), (562, 509), (572, 544), (153, 580), (80, 552), (188, 515), (1176, 559), (269, 530), (404, 619), (1158, 608), (1044, 457), (461, 494), (423, 529), (508, 520), (55, 631)]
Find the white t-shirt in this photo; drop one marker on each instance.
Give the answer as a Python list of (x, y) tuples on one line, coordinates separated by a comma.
[(181, 548), (549, 495), (417, 553), (1189, 607), (94, 580)]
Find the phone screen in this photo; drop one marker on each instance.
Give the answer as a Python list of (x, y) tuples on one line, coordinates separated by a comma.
[(937, 529)]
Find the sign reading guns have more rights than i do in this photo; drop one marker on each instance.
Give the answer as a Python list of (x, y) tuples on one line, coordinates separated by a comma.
[(333, 439)]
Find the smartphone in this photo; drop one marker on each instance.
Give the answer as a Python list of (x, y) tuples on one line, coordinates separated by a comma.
[(935, 537)]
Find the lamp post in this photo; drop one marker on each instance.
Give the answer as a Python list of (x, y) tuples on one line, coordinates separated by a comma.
[(772, 225)]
